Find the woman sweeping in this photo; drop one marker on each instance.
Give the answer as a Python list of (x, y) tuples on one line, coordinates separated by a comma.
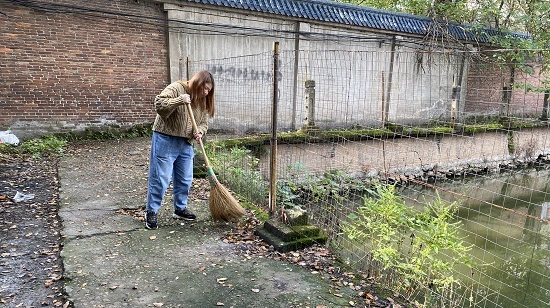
[(172, 143)]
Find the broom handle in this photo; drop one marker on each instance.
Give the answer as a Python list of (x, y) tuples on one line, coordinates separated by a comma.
[(195, 129)]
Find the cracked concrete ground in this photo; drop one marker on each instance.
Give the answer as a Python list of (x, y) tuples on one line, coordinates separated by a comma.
[(111, 260)]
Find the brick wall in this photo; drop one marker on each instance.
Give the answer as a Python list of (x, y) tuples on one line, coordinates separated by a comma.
[(68, 65), (485, 91), (73, 67)]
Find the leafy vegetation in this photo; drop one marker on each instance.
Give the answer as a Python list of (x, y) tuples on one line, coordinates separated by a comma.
[(35, 148), (54, 145), (421, 249), (470, 129), (521, 34), (239, 168), (302, 188), (102, 133)]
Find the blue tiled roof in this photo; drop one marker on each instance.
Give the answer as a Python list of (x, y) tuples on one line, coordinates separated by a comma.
[(330, 11)]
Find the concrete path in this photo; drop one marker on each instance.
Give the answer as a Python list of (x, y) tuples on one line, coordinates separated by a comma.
[(111, 260)]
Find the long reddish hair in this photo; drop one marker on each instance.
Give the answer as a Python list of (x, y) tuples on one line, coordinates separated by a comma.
[(198, 82)]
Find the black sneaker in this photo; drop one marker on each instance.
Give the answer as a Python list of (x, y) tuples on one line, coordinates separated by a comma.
[(184, 214), (151, 220)]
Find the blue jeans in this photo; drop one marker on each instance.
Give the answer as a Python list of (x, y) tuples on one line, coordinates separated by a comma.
[(171, 156)]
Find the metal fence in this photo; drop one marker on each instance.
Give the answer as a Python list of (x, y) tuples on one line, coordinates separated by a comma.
[(439, 125)]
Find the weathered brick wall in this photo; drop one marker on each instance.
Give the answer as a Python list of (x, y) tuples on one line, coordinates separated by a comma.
[(82, 64), (67, 65), (526, 102), (485, 91)]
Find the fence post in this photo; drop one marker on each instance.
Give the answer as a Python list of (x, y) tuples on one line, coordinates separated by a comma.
[(386, 114), (273, 161), (309, 123), (295, 77)]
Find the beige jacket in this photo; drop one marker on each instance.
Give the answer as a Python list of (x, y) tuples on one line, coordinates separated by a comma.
[(172, 117)]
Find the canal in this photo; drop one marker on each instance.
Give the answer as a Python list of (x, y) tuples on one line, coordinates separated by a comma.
[(505, 220)]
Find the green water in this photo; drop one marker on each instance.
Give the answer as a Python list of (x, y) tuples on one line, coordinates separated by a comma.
[(503, 218)]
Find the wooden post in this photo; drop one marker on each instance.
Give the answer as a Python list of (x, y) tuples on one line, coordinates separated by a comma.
[(273, 161)]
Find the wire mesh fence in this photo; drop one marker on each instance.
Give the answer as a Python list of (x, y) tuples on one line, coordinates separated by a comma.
[(460, 141)]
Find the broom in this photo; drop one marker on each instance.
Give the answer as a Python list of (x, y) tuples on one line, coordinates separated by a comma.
[(221, 203)]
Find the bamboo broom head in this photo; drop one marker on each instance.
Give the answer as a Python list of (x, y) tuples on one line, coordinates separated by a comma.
[(222, 204)]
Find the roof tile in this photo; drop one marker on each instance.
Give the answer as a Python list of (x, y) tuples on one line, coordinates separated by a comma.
[(330, 11)]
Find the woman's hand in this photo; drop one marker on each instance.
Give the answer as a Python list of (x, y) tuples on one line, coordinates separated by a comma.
[(186, 98), (198, 136)]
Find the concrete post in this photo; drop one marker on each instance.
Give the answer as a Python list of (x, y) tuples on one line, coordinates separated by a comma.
[(309, 121)]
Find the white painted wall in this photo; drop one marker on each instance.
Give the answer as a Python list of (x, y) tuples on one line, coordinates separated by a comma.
[(351, 69)]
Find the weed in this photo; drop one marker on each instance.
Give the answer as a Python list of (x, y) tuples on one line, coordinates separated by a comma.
[(35, 148), (305, 188), (240, 170), (420, 249)]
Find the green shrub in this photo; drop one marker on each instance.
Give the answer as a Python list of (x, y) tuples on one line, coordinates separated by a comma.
[(240, 170), (422, 249), (304, 188), (35, 148)]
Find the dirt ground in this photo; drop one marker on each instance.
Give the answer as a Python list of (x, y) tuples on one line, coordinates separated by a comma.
[(32, 270)]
